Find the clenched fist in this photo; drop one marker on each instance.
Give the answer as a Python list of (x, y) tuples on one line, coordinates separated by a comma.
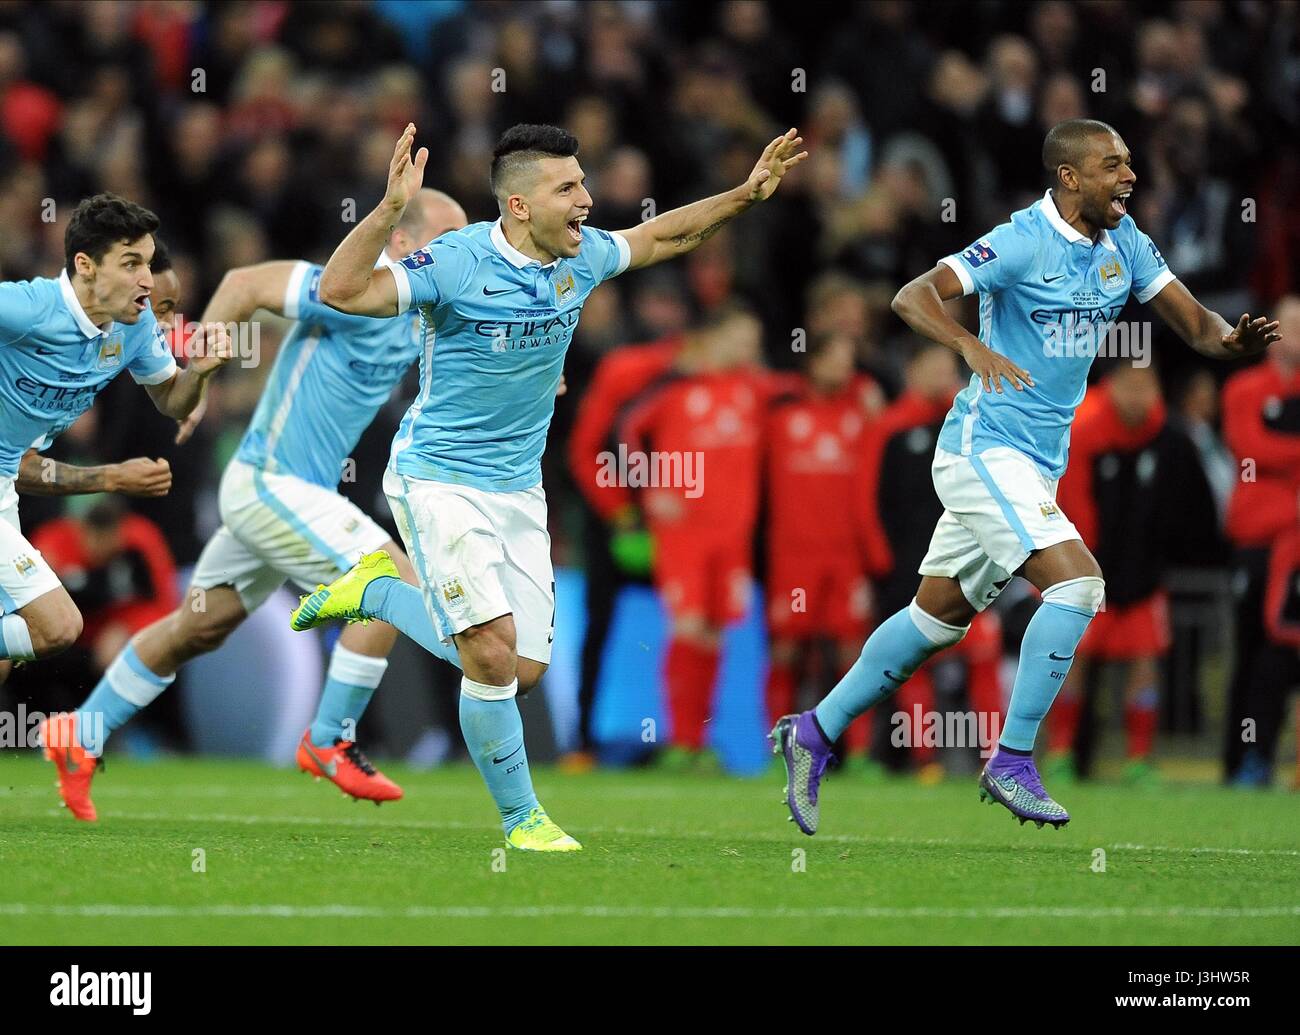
[(141, 476)]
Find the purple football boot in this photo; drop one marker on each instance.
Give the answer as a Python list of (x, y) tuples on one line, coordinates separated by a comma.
[(1012, 781), (799, 741)]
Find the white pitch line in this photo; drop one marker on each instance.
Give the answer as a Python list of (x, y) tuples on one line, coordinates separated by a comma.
[(1129, 847), (281, 911), (248, 819)]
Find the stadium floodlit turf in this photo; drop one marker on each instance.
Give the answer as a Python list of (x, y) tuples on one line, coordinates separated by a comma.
[(669, 859)]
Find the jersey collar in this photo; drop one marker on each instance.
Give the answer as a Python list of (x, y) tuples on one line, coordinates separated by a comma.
[(84, 322), (1053, 216), (513, 255)]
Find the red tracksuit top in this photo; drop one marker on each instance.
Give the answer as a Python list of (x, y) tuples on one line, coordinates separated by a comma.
[(1261, 422)]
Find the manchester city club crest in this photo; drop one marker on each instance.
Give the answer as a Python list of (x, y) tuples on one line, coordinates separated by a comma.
[(110, 352), (1111, 274), (564, 287)]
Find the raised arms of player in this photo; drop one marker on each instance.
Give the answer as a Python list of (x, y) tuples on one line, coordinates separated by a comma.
[(920, 305), (351, 283), (40, 476), (1209, 333), (684, 229)]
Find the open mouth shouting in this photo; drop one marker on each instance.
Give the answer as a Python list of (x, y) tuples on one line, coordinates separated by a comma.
[(1119, 203), (574, 226), (141, 302)]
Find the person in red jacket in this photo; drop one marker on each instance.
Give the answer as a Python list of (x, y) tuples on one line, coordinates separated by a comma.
[(895, 467), (1114, 440), (1261, 426), (616, 541), (117, 568), (693, 448), (816, 576)]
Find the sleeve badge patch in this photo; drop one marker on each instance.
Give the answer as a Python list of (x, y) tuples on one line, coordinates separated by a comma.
[(979, 253)]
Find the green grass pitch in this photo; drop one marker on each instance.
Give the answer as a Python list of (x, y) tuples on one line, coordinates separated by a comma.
[(669, 859)]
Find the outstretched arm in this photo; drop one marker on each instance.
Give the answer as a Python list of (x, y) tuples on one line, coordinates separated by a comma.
[(683, 229), (245, 290), (40, 476), (241, 293), (350, 282), (1209, 333)]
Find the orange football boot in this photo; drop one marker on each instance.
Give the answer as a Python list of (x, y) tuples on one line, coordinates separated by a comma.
[(75, 764), (348, 768)]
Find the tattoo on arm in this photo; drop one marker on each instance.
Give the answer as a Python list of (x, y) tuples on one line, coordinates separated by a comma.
[(41, 476), (682, 240)]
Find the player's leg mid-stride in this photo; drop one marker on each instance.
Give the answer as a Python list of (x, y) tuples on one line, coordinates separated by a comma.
[(939, 617), (372, 590)]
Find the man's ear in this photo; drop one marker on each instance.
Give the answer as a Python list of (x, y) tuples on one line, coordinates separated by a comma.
[(517, 206), (1067, 176), (84, 265)]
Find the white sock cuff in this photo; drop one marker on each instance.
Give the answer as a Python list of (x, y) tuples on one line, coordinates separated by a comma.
[(17, 638), (132, 681), (347, 666), (1086, 593), (941, 634), (487, 692)]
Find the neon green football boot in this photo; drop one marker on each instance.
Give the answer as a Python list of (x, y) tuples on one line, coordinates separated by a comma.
[(538, 833), (341, 599)]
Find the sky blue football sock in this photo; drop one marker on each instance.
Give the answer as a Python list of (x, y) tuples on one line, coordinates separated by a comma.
[(15, 638), (350, 683), (891, 654), (402, 605), (1046, 653), (494, 734), (126, 686)]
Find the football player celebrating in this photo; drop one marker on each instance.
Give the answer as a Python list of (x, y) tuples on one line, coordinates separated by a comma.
[(282, 517), (464, 480), (61, 341), (1050, 282)]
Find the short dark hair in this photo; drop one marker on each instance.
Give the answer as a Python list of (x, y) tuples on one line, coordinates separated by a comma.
[(100, 222), (524, 144), (1065, 142), (162, 257)]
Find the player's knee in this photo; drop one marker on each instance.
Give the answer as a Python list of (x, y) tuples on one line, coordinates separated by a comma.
[(489, 649), (56, 631), (202, 632), (935, 629), (530, 674), (1086, 593)]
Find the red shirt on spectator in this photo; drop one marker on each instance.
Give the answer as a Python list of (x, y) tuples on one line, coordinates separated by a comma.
[(814, 445), (619, 378), (134, 588), (1261, 423)]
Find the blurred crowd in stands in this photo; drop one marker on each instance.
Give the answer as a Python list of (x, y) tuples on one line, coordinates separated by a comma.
[(260, 130)]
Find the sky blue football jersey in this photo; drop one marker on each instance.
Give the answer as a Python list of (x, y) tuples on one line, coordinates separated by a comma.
[(54, 362), (1047, 295), (332, 374), (496, 325)]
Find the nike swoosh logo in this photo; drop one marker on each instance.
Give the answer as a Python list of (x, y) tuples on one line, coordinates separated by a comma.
[(330, 770), (498, 761), (503, 291), (897, 679), (1052, 280), (1056, 657), (68, 763), (998, 587), (42, 351)]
